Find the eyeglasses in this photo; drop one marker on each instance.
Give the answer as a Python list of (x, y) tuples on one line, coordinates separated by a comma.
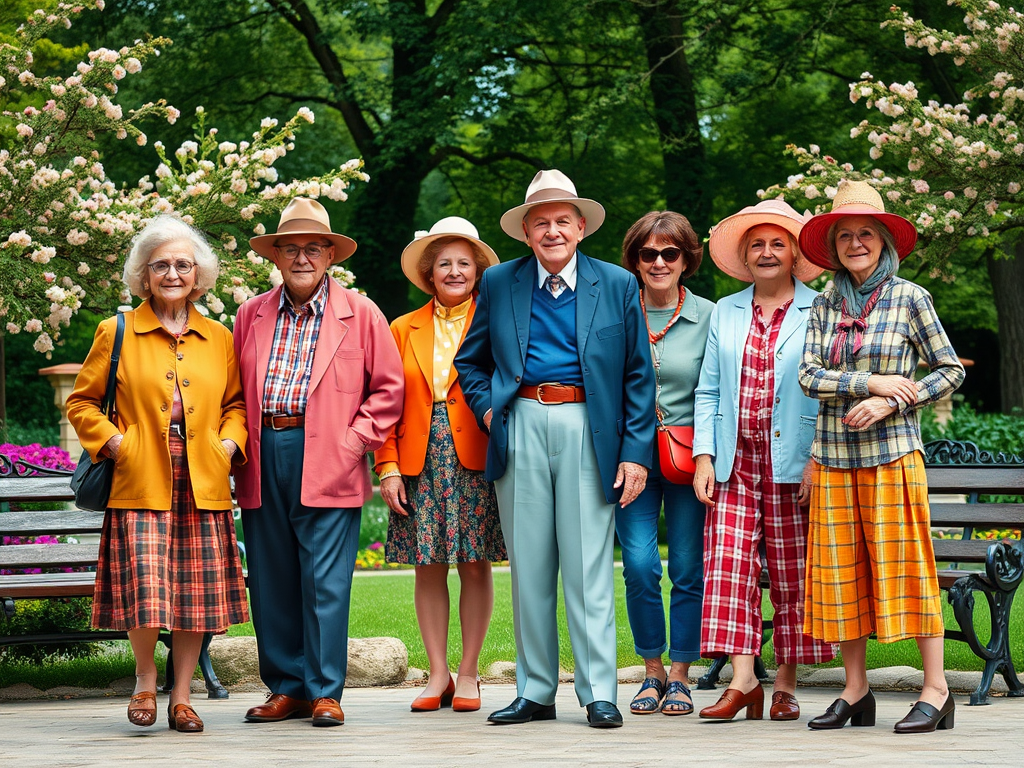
[(163, 267), (312, 251), (669, 255)]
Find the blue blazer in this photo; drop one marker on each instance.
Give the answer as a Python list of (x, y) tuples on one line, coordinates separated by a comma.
[(717, 401), (615, 359)]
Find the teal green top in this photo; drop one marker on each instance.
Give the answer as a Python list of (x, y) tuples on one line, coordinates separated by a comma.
[(681, 353)]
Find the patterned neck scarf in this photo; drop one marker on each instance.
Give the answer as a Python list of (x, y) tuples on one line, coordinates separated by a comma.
[(857, 301)]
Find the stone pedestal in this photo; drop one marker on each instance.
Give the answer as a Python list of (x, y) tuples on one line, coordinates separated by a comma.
[(62, 378)]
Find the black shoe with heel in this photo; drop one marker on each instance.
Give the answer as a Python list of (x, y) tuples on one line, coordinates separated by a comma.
[(836, 716), (925, 718)]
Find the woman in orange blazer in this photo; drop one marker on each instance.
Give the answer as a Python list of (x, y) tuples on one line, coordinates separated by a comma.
[(443, 511), (168, 558)]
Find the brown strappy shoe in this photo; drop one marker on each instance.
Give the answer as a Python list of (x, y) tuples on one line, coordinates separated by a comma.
[(183, 719), (142, 708)]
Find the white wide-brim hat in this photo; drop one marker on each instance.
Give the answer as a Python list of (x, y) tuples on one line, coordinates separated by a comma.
[(726, 238), (551, 187), (303, 216), (451, 226), (854, 198)]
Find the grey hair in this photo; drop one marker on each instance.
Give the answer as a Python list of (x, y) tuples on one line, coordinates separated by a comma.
[(883, 232), (160, 231)]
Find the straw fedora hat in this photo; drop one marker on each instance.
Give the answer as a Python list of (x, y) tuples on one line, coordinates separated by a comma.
[(303, 216), (727, 238), (451, 226), (854, 198), (551, 187)]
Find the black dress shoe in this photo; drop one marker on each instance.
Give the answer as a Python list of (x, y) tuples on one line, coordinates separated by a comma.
[(924, 718), (523, 711), (603, 714), (861, 713)]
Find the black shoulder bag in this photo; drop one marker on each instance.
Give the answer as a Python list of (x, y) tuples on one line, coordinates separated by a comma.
[(91, 481)]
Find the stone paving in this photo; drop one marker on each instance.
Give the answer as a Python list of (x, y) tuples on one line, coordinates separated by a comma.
[(381, 730)]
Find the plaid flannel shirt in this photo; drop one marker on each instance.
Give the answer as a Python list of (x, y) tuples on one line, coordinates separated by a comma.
[(291, 356), (902, 329)]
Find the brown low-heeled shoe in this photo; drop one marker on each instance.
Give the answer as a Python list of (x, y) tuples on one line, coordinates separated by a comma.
[(183, 719), (732, 701), (139, 714), (327, 712), (784, 706), (279, 707)]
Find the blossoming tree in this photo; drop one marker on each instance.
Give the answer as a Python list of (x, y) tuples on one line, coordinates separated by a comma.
[(956, 170), (67, 227)]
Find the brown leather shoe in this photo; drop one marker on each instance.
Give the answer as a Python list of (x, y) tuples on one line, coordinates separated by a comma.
[(784, 706), (142, 708), (327, 712), (183, 719), (732, 701), (279, 707)]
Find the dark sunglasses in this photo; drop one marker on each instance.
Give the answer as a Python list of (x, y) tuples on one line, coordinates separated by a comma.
[(668, 255)]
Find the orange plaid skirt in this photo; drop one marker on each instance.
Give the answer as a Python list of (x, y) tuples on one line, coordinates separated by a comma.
[(870, 562)]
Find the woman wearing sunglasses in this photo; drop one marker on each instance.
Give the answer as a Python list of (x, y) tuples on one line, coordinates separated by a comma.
[(754, 427), (662, 250)]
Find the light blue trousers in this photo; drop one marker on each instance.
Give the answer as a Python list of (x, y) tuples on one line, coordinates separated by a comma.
[(554, 515)]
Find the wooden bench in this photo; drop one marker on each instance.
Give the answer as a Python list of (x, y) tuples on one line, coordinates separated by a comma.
[(23, 482), (962, 469)]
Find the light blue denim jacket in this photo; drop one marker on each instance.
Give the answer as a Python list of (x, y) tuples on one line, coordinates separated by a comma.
[(716, 409)]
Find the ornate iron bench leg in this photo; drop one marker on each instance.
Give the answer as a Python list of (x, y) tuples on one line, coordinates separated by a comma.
[(214, 690), (710, 678)]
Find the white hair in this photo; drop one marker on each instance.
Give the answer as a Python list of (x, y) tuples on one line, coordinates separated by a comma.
[(158, 232)]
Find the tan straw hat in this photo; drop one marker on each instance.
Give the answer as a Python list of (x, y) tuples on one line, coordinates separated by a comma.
[(303, 216), (451, 226), (726, 238), (854, 198), (551, 187)]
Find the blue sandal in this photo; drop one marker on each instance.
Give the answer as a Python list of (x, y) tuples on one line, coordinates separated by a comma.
[(679, 706), (648, 705)]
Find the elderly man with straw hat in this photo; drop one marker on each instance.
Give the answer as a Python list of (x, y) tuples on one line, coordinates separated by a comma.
[(556, 367), (323, 386)]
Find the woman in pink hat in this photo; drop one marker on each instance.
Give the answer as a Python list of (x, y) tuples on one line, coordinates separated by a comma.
[(752, 446), (443, 511), (871, 567)]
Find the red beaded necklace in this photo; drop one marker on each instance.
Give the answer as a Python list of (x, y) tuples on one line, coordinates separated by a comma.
[(656, 337)]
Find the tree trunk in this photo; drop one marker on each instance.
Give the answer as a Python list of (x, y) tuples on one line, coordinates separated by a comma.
[(1007, 276)]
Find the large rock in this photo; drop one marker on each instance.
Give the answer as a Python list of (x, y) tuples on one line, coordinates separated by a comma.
[(371, 661)]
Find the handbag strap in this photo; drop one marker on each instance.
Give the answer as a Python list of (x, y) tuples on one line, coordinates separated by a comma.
[(115, 356)]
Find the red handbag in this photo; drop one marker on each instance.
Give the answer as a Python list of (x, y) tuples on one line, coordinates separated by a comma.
[(675, 454)]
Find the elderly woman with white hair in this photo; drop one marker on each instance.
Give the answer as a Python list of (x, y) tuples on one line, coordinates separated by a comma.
[(168, 557)]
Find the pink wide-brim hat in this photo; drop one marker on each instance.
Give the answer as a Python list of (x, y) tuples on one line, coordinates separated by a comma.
[(551, 186), (854, 198), (726, 238), (303, 216)]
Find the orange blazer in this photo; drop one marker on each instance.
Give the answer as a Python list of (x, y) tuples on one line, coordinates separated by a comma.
[(407, 444), (203, 362)]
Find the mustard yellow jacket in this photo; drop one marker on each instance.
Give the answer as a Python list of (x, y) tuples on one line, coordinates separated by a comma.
[(203, 363)]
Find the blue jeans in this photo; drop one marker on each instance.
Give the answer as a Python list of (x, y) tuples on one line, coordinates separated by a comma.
[(637, 529)]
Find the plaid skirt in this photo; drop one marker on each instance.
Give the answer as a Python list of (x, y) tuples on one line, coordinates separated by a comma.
[(175, 569), (455, 513), (870, 561)]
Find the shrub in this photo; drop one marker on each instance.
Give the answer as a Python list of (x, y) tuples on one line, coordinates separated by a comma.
[(989, 431), (32, 617)]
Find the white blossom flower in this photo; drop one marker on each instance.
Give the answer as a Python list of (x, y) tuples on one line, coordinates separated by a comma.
[(34, 325)]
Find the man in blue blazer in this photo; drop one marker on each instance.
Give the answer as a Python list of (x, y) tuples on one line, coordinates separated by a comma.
[(557, 367)]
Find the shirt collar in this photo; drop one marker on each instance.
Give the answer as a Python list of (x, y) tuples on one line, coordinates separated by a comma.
[(452, 313), (568, 273), (315, 306)]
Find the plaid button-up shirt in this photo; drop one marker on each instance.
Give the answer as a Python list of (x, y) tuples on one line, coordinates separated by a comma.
[(902, 329), (757, 379), (291, 356)]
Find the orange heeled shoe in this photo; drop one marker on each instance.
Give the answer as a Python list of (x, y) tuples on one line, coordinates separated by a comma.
[(465, 703), (434, 703), (733, 701)]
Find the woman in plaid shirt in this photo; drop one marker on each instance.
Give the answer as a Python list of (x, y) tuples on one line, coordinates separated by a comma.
[(871, 567)]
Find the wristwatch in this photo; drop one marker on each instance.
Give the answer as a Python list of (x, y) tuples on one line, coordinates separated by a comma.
[(893, 402)]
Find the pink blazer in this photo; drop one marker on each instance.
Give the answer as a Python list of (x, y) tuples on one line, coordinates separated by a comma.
[(355, 395)]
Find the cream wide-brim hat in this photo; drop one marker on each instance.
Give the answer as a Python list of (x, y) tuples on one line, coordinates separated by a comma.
[(726, 238), (303, 216), (854, 198), (451, 226), (551, 186)]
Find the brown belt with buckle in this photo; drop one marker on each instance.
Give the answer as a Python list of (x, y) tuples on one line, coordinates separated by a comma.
[(553, 394), (283, 422)]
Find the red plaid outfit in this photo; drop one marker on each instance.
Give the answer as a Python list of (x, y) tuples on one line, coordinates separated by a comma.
[(291, 356), (750, 507)]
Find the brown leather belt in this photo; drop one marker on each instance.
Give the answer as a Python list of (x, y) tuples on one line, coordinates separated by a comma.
[(553, 394), (283, 422)]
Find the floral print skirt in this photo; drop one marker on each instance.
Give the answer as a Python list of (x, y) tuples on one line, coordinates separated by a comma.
[(454, 517)]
